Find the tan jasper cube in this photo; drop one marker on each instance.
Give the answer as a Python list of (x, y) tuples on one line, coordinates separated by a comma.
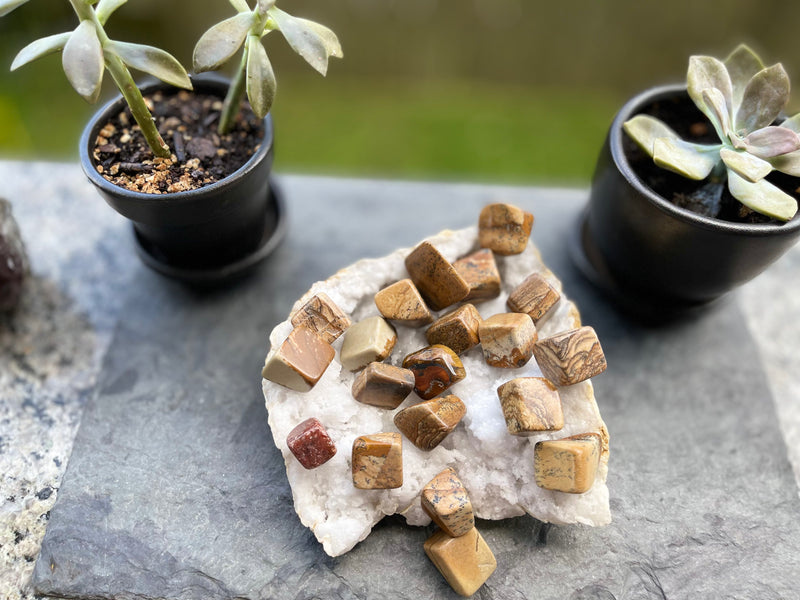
[(567, 465), (479, 270), (377, 461), (435, 278), (466, 562), (530, 405), (401, 302), (367, 341), (426, 424), (446, 501), (507, 340), (504, 228), (300, 360), (322, 316), (382, 385), (458, 329), (534, 296), (570, 357)]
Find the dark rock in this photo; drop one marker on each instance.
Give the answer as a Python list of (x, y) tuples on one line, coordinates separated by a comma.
[(14, 266)]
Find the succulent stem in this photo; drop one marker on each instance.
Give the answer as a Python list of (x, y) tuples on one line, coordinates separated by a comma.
[(233, 99)]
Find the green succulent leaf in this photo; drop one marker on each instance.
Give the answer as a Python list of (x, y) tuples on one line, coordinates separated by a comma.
[(261, 84), (217, 45), (645, 130), (82, 60), (6, 6), (771, 141), (762, 197), (706, 72), (764, 97), (742, 64), (152, 60), (314, 42), (39, 48), (240, 5), (745, 165), (694, 161), (792, 123), (105, 8), (717, 112), (787, 163)]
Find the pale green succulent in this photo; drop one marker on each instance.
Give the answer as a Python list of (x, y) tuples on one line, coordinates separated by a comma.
[(314, 42), (87, 52), (742, 98)]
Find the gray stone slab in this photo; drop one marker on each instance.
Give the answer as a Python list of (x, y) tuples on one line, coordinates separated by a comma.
[(175, 489)]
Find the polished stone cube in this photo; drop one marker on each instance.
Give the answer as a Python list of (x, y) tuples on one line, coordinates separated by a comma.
[(479, 270), (382, 385), (426, 424), (402, 303), (310, 443), (447, 502), (534, 296), (504, 228), (377, 461), (458, 329), (530, 405), (435, 278), (569, 464), (507, 340), (466, 562), (435, 369), (571, 356), (322, 316), (367, 341), (300, 360)]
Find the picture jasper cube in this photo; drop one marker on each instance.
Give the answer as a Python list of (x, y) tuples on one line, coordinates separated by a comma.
[(300, 360), (479, 270), (530, 405), (402, 302), (458, 329), (435, 369), (311, 444), (435, 278), (507, 340), (322, 316), (567, 465), (367, 341), (378, 461), (446, 501), (382, 385), (504, 228), (466, 562), (570, 357), (534, 296), (426, 424)]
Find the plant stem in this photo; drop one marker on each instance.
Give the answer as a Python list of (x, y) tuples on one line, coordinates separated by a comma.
[(233, 99)]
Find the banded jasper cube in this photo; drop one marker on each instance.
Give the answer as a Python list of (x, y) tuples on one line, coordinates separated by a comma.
[(300, 360), (367, 341), (507, 340), (569, 464), (435, 278), (435, 369), (310, 443), (382, 385), (377, 461), (466, 562), (479, 270), (446, 501), (401, 302), (458, 329), (534, 296), (504, 228), (426, 424), (570, 357), (322, 316), (530, 405)]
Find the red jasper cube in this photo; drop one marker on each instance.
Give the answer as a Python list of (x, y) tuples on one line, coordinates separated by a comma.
[(311, 444)]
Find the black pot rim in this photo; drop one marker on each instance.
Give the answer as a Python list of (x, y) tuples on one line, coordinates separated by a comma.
[(634, 107), (187, 196)]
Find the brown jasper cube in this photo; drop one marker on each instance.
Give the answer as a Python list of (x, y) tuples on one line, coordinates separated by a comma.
[(435, 369), (321, 315), (570, 357), (311, 444), (479, 270), (447, 503), (402, 302), (435, 278), (426, 424), (378, 461), (300, 361), (504, 228), (567, 465), (382, 385), (367, 341), (530, 405), (458, 329), (507, 340), (466, 562), (534, 296)]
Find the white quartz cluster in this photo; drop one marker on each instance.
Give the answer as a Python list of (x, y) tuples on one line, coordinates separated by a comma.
[(495, 467)]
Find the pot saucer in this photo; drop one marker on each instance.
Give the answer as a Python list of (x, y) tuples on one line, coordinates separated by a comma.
[(275, 226)]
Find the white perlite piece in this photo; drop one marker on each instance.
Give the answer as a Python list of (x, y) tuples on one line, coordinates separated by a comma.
[(495, 467)]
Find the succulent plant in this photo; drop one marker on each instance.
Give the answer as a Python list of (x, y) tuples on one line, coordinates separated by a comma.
[(87, 52), (314, 42), (742, 98)]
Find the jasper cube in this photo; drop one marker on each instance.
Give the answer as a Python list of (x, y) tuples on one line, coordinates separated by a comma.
[(530, 405), (479, 270), (507, 340), (466, 562), (382, 385), (322, 316), (300, 360), (570, 357), (458, 329), (310, 443), (435, 369), (446, 501), (569, 464), (401, 302), (534, 296), (367, 341), (435, 278), (504, 228), (426, 424), (377, 461)]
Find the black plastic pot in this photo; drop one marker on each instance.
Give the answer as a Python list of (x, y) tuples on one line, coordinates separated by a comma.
[(652, 254), (205, 235)]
